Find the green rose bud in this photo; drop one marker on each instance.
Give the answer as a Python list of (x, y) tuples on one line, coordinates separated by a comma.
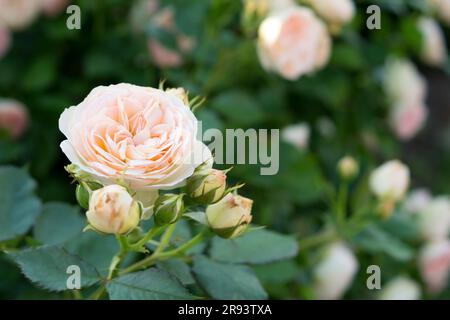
[(82, 196), (207, 186), (348, 168), (231, 216), (168, 208)]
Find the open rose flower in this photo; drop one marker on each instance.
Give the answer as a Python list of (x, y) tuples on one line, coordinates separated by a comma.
[(293, 42), (140, 136), (18, 14)]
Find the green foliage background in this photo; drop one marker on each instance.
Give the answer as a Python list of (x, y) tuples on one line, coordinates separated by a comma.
[(50, 68)]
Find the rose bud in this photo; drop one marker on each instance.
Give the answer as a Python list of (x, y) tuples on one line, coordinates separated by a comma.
[(297, 135), (335, 272), (231, 216), (168, 208), (82, 196), (207, 186), (18, 14), (52, 8), (348, 168), (390, 181), (113, 210), (336, 13), (434, 219), (400, 288), (434, 265), (408, 118), (13, 118)]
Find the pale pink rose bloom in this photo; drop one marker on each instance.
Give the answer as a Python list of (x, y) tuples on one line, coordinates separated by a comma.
[(335, 272), (140, 136), (18, 14), (13, 118), (434, 50), (407, 120), (293, 42), (297, 135), (52, 8), (417, 201), (434, 265), (5, 41), (336, 12)]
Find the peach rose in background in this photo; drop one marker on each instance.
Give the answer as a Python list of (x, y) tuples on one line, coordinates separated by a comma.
[(336, 13), (5, 41), (335, 273), (434, 50), (52, 8), (13, 118), (434, 219), (434, 265), (293, 42), (151, 12), (407, 120), (138, 136), (401, 288), (297, 135), (18, 14)]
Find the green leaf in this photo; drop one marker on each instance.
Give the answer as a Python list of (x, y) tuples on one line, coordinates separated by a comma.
[(259, 246), (278, 272), (94, 248), (151, 284), (57, 223), (227, 281), (19, 207), (375, 240), (47, 267), (179, 269), (198, 216)]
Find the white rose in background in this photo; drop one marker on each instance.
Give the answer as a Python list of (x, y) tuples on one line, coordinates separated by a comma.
[(293, 42), (297, 135), (390, 181), (5, 41), (434, 50), (336, 13), (403, 82), (434, 265), (140, 136), (434, 219), (13, 117), (18, 14), (400, 288), (406, 120), (406, 90), (335, 272), (417, 200), (442, 8)]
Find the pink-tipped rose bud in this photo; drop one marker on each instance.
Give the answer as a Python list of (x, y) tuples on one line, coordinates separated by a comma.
[(207, 186), (336, 13), (13, 118), (390, 181), (112, 210), (407, 120), (434, 265), (231, 216)]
